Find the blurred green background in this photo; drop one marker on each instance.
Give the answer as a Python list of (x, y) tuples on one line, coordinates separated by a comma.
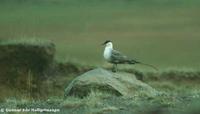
[(165, 33)]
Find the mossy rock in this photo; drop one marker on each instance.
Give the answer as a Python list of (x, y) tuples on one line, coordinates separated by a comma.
[(119, 84)]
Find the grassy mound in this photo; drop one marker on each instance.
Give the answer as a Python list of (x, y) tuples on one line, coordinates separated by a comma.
[(26, 56), (23, 63)]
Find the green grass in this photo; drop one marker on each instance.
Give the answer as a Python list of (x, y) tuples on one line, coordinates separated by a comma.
[(163, 33), (98, 102)]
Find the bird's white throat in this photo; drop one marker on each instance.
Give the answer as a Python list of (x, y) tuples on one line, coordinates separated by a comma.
[(108, 51)]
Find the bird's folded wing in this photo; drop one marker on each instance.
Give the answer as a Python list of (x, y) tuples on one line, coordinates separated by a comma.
[(118, 57)]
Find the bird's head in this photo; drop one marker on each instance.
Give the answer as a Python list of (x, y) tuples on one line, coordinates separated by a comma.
[(108, 43)]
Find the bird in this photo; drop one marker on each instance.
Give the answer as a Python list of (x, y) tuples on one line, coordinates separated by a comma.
[(115, 57)]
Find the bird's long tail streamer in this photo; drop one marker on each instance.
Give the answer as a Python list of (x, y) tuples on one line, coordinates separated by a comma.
[(149, 65)]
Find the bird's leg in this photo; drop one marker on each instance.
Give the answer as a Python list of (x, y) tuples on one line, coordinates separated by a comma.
[(114, 68)]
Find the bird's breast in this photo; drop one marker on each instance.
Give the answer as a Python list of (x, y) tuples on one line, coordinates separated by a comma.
[(107, 54)]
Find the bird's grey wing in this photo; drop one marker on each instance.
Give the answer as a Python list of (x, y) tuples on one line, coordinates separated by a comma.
[(117, 57)]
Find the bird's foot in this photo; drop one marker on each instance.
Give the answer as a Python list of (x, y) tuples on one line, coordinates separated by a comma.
[(114, 70)]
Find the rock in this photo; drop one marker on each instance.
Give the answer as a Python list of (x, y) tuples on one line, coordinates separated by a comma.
[(119, 84)]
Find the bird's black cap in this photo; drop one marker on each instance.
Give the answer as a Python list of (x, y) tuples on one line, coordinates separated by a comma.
[(106, 42)]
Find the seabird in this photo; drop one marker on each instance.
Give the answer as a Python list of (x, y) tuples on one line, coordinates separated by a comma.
[(115, 57)]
